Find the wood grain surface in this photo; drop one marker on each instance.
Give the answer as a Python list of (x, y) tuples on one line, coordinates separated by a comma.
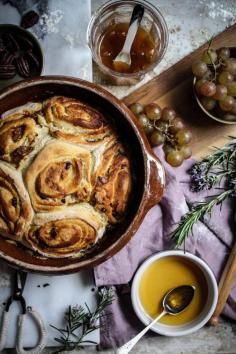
[(174, 87)]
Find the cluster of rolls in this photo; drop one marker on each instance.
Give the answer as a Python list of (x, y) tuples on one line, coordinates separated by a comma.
[(64, 176)]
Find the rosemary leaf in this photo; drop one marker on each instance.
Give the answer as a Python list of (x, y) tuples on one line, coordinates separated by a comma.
[(187, 222), (80, 322)]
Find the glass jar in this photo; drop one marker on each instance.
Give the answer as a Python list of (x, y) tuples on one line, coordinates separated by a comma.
[(113, 12)]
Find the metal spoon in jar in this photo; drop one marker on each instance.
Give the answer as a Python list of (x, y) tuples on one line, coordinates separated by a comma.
[(174, 302), (122, 61)]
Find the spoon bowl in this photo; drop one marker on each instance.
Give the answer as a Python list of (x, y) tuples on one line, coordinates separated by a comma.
[(178, 299)]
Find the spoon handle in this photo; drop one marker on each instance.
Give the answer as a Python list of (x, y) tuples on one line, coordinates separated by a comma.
[(135, 20), (129, 345)]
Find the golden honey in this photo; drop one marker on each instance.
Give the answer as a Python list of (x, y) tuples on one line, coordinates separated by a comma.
[(165, 274), (143, 50)]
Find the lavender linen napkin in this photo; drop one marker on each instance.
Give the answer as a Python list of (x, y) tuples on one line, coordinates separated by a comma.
[(211, 240)]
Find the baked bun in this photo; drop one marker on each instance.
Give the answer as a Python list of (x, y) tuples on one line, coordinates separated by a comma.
[(75, 122), (59, 176), (15, 209), (61, 234), (64, 176), (112, 182), (18, 134)]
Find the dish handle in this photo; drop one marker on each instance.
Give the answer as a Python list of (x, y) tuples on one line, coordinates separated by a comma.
[(155, 180)]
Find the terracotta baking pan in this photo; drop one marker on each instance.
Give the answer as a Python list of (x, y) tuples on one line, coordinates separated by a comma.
[(148, 173)]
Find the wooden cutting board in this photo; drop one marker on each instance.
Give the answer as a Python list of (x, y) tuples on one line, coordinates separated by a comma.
[(174, 87)]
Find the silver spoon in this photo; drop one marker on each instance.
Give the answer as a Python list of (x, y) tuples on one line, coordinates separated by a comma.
[(174, 302), (123, 59)]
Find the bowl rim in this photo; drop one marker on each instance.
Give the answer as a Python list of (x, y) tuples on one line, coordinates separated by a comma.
[(147, 155), (167, 330), (204, 109)]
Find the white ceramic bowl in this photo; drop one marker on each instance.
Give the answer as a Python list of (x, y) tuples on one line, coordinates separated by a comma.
[(189, 327)]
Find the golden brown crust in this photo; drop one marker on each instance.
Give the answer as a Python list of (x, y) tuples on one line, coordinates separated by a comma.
[(59, 176), (62, 237), (15, 209), (112, 183), (77, 183), (60, 234), (18, 132), (75, 122)]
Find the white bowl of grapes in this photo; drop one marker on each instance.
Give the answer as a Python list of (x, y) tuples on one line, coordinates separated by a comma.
[(215, 83)]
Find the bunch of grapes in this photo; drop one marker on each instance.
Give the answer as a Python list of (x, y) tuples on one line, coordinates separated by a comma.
[(164, 127), (216, 82)]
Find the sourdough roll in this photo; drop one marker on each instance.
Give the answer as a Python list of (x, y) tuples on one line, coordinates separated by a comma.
[(75, 122), (15, 209), (61, 234), (59, 176), (112, 182), (18, 134)]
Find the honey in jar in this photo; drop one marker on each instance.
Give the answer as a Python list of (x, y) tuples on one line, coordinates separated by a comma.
[(143, 50)]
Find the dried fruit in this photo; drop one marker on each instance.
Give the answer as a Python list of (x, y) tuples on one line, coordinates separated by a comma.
[(29, 19), (10, 42), (22, 66), (24, 42), (7, 71), (32, 58)]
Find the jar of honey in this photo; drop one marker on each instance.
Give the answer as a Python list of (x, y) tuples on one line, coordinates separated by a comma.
[(107, 32)]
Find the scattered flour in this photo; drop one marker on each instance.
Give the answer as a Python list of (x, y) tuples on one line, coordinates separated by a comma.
[(49, 21), (224, 11)]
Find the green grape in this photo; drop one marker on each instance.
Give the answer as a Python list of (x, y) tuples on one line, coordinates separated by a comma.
[(198, 85), (221, 91), (174, 158), (233, 109), (232, 88), (185, 151), (148, 129), (183, 137), (143, 120), (227, 103), (153, 111), (168, 114), (208, 75), (199, 68), (136, 108), (176, 125), (209, 56), (208, 103), (223, 53), (157, 138), (207, 89), (225, 77), (230, 65), (167, 148), (229, 117)]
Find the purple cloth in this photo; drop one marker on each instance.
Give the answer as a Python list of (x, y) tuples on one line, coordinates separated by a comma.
[(211, 240)]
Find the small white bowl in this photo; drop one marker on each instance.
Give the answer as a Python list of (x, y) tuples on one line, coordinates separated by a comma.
[(190, 327)]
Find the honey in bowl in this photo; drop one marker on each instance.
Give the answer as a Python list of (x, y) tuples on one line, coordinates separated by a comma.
[(165, 274), (143, 50)]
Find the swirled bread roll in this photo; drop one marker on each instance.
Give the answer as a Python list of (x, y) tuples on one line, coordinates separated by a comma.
[(61, 234), (59, 176), (18, 133), (75, 122), (112, 182), (15, 209)]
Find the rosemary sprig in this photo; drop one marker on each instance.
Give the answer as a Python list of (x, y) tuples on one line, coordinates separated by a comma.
[(80, 322), (204, 175), (197, 213), (223, 155)]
